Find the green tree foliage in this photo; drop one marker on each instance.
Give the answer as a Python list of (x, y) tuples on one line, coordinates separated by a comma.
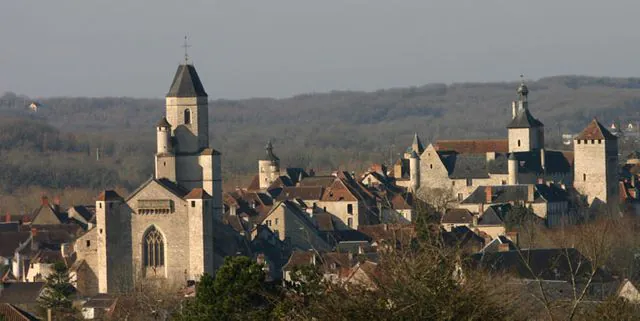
[(238, 292), (58, 290), (423, 283)]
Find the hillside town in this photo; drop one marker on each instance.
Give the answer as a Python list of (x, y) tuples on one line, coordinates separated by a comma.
[(475, 195)]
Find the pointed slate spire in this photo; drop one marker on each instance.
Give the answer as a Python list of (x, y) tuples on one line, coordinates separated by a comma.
[(416, 145), (186, 83)]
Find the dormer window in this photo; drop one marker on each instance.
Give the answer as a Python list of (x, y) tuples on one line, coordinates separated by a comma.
[(187, 116)]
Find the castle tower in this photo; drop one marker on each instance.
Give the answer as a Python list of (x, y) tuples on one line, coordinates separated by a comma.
[(114, 246), (414, 172), (525, 132), (268, 167), (595, 163), (513, 169), (200, 224)]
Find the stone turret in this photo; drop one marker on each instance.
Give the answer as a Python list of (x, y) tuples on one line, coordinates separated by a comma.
[(414, 172), (513, 169), (268, 167), (163, 136)]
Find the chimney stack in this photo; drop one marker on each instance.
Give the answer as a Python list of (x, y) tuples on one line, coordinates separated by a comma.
[(530, 193), (488, 194)]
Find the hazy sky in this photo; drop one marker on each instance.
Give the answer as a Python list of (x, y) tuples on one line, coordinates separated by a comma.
[(279, 48)]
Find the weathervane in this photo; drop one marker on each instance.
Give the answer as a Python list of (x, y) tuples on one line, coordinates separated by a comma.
[(186, 50)]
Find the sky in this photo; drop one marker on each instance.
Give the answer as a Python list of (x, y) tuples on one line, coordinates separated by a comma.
[(279, 48)]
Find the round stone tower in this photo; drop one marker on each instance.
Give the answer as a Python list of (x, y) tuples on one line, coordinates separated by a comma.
[(414, 172), (163, 136), (268, 167), (513, 169)]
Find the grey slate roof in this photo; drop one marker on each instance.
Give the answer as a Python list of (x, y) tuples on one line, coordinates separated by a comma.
[(524, 119), (186, 83), (163, 123), (494, 215), (467, 166)]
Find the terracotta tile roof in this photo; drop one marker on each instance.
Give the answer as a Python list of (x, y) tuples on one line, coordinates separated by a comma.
[(389, 232), (255, 184), (299, 258), (478, 146), (197, 193), (595, 130), (10, 312), (109, 195)]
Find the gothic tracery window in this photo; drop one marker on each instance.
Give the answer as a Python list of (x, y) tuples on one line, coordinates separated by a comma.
[(153, 248)]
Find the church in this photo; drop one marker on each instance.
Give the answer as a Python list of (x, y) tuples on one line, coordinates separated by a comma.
[(164, 230)]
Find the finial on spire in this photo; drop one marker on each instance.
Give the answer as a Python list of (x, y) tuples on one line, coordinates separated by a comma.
[(523, 91), (186, 50)]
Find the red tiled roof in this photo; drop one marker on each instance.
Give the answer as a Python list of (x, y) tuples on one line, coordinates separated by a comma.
[(595, 130), (478, 146), (197, 193)]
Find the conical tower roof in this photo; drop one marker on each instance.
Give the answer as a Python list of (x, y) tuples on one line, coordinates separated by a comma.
[(186, 83), (416, 145)]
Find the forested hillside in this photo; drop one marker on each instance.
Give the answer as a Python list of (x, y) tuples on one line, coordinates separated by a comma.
[(55, 147)]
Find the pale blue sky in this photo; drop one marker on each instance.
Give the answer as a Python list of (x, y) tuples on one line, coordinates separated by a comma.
[(278, 48)]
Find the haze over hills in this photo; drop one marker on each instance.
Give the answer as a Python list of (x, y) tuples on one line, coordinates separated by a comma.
[(55, 147)]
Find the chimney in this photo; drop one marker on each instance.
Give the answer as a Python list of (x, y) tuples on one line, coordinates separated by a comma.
[(514, 108), (44, 200), (530, 193), (34, 244), (488, 194)]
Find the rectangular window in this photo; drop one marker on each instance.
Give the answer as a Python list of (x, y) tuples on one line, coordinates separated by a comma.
[(453, 183), (350, 208), (100, 205), (584, 177), (268, 222), (469, 181), (350, 222), (193, 203), (578, 141), (88, 243), (277, 219), (504, 182), (599, 141), (459, 196)]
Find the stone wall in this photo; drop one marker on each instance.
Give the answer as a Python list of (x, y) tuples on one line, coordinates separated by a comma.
[(174, 228), (591, 173)]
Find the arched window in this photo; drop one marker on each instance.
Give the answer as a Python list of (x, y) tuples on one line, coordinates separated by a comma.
[(187, 116), (153, 248)]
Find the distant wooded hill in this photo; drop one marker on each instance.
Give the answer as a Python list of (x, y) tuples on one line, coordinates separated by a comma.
[(342, 129)]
